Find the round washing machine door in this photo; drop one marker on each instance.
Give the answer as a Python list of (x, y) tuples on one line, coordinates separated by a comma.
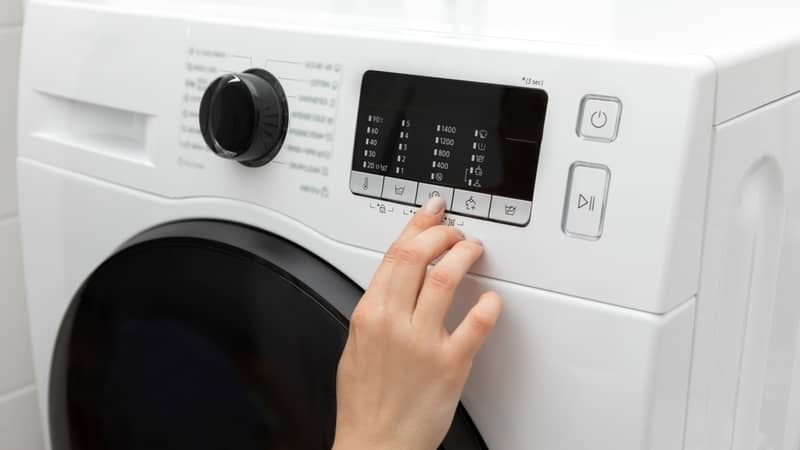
[(206, 335)]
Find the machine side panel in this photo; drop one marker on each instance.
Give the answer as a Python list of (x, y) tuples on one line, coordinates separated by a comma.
[(744, 390)]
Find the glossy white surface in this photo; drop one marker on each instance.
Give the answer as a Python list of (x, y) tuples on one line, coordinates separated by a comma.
[(599, 337), (19, 421), (141, 136), (753, 45), (746, 367), (555, 363)]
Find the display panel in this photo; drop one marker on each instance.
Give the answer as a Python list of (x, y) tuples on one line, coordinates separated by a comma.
[(472, 137)]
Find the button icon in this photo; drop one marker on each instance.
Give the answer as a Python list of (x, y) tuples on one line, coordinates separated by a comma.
[(583, 202), (399, 190), (426, 192), (599, 119), (363, 183), (470, 204), (510, 210)]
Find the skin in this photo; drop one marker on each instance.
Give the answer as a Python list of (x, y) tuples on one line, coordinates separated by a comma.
[(402, 373)]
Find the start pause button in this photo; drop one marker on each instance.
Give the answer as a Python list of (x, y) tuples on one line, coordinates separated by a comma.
[(584, 206)]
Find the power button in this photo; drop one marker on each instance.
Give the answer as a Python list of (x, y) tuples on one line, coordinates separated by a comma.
[(599, 118)]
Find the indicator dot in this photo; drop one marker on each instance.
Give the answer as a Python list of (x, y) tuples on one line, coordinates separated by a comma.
[(436, 140), (432, 176), (434, 164), (365, 164), (365, 153), (438, 128), (474, 146), (435, 152)]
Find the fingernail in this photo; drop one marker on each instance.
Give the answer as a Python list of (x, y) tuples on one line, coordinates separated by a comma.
[(434, 206)]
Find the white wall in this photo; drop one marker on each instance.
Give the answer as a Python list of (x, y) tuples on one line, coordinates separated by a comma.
[(19, 417)]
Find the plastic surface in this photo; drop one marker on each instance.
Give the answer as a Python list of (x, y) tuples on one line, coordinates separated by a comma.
[(659, 161), (554, 363)]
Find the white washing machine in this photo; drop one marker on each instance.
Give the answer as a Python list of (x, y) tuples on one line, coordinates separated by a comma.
[(206, 189)]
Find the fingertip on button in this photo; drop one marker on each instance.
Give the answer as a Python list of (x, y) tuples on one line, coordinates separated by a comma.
[(435, 205)]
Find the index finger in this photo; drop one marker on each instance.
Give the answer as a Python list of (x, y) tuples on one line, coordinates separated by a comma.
[(426, 217)]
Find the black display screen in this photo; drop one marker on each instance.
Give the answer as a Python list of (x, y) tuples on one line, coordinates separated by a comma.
[(466, 135)]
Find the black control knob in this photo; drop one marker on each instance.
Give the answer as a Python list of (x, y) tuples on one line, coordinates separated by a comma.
[(244, 117)]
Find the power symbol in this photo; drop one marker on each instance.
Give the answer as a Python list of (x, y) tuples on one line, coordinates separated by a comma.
[(599, 119)]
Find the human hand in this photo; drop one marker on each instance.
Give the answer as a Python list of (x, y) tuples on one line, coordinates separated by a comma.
[(402, 373)]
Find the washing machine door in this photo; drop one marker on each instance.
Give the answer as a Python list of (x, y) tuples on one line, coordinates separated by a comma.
[(206, 335)]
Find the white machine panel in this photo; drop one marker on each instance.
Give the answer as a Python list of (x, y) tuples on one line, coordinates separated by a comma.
[(141, 134)]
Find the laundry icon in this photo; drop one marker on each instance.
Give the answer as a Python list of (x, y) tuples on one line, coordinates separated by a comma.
[(470, 204), (399, 189), (511, 210)]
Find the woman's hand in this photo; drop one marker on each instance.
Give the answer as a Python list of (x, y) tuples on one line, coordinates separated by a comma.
[(401, 374)]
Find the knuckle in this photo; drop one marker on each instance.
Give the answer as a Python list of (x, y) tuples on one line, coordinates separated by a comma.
[(404, 253), (360, 318), (469, 246), (442, 279), (449, 232), (481, 323)]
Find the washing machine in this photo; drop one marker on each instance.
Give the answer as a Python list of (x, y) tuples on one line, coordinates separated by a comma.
[(207, 188)]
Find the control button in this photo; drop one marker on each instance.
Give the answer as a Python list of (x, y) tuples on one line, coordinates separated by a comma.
[(366, 184), (426, 192), (585, 203), (510, 210), (398, 190), (471, 203), (599, 118)]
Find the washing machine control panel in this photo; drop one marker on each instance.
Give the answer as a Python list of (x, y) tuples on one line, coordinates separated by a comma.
[(474, 144)]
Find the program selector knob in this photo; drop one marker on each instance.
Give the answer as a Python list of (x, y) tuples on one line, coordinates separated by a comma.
[(244, 117)]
